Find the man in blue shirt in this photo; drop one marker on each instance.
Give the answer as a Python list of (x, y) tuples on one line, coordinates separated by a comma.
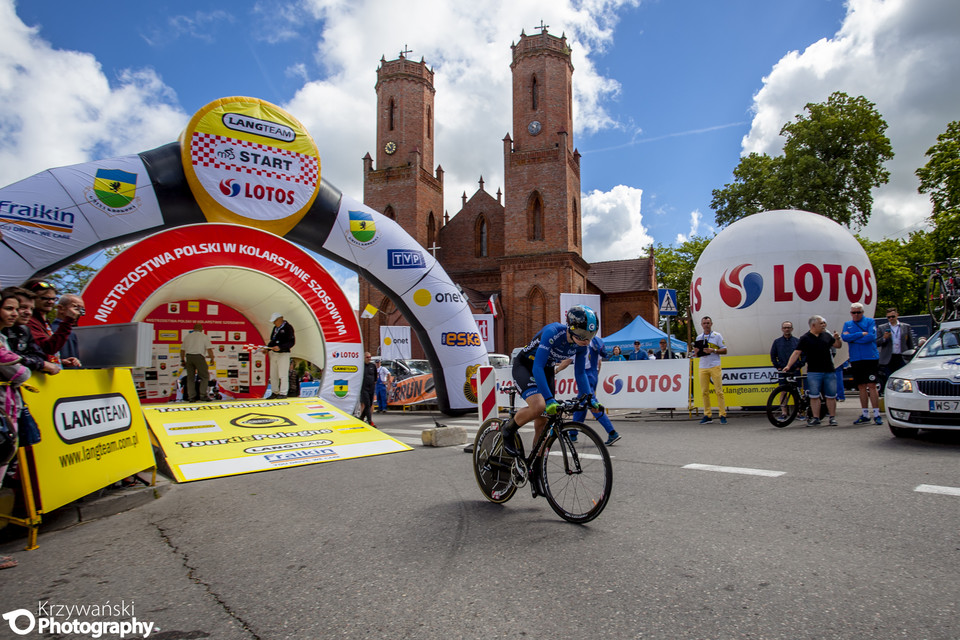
[(594, 353), (638, 352), (860, 333)]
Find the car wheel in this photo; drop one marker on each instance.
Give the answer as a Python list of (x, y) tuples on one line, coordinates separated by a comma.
[(904, 432)]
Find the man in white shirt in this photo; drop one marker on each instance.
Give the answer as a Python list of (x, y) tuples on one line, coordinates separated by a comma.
[(893, 338), (194, 362), (708, 348)]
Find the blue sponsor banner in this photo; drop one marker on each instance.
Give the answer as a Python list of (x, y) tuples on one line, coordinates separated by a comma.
[(405, 259)]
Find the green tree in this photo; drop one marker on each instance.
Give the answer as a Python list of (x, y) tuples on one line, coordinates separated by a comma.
[(674, 270), (73, 278), (940, 177), (894, 264), (832, 159)]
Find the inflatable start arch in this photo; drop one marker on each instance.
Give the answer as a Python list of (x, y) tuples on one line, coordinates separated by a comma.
[(245, 162)]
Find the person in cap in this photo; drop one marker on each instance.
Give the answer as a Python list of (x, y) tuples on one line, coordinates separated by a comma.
[(282, 339)]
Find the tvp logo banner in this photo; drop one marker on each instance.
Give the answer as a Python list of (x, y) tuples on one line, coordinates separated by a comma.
[(777, 266), (93, 433), (395, 343), (211, 440), (250, 162)]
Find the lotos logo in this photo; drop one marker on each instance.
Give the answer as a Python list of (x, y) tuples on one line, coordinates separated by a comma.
[(229, 188), (346, 354), (461, 339), (735, 294), (613, 385)]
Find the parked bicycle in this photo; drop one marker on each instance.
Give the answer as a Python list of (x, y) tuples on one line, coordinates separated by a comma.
[(788, 401), (943, 289), (568, 465)]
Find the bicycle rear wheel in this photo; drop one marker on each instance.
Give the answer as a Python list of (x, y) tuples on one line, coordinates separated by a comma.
[(576, 476), (491, 466), (938, 298), (782, 405)]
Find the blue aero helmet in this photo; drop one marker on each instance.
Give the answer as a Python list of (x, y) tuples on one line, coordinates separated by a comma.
[(582, 322)]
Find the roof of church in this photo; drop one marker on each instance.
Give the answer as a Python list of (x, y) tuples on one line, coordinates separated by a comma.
[(621, 276)]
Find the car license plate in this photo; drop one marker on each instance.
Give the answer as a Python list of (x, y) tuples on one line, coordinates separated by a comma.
[(949, 406)]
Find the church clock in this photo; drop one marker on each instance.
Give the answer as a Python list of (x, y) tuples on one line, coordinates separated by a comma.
[(390, 148)]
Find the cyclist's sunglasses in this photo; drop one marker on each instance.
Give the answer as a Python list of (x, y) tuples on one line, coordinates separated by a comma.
[(582, 334)]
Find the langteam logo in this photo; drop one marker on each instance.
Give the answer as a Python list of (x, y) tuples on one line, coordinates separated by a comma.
[(613, 385), (249, 124), (261, 420), (405, 259), (82, 418), (737, 294), (344, 368)]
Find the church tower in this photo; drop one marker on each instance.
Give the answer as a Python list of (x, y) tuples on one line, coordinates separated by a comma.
[(542, 243), (404, 185)]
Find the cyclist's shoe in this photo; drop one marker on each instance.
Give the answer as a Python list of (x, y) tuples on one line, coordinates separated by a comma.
[(813, 422), (781, 417), (832, 422), (877, 420), (511, 441), (706, 420), (723, 419), (862, 420), (614, 437)]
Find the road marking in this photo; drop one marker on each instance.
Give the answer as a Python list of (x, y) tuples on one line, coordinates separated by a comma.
[(932, 488), (588, 456), (740, 470)]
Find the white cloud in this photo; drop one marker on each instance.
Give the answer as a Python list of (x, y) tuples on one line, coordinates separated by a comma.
[(695, 219), (613, 225), (59, 108), (899, 54)]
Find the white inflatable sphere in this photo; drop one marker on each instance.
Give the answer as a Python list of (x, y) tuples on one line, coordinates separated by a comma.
[(776, 266)]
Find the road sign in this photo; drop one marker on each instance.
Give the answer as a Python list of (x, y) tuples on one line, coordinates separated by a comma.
[(668, 301)]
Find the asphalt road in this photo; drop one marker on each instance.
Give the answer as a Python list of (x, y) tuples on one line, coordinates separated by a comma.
[(837, 544)]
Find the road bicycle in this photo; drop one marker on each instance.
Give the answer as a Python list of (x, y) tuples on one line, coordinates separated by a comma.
[(788, 401), (568, 465), (943, 289)]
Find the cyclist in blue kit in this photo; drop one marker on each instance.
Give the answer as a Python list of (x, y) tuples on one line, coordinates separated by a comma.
[(533, 371)]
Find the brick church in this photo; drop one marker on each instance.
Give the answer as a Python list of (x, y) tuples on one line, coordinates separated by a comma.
[(522, 246)]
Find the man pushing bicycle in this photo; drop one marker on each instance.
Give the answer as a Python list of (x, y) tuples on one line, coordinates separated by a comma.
[(533, 372)]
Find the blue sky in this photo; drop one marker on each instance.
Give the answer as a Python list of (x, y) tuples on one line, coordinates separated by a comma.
[(669, 93)]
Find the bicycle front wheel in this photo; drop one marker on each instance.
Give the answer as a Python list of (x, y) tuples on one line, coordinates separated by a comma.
[(490, 465), (938, 298), (782, 405), (577, 476)]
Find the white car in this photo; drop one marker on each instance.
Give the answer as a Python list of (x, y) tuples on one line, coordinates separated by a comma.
[(925, 393)]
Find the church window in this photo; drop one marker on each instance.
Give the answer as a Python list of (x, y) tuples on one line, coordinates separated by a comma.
[(429, 123), (392, 110), (431, 231), (480, 237), (625, 319), (576, 224), (535, 93), (535, 217), (390, 213)]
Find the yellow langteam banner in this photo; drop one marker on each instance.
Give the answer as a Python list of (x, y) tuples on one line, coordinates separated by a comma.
[(747, 381), (211, 440), (93, 433)]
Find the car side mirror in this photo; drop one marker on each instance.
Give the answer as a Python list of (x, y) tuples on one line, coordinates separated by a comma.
[(908, 354)]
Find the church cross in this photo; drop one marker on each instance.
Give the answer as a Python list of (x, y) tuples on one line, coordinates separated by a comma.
[(403, 54), (543, 27), (434, 250)]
